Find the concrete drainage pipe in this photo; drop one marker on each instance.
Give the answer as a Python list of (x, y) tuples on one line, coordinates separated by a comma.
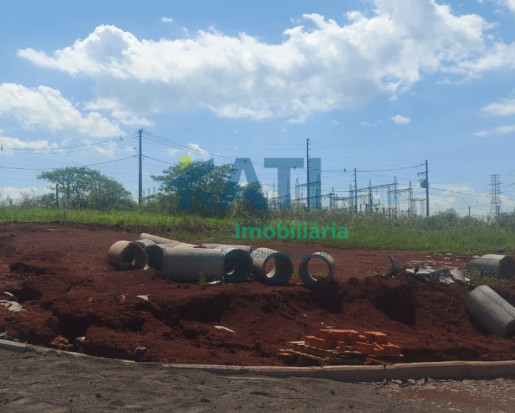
[(247, 248), (279, 274), (127, 254), (238, 261), (493, 311), (161, 240), (499, 265), (309, 279), (145, 242), (155, 254), (238, 264), (187, 264)]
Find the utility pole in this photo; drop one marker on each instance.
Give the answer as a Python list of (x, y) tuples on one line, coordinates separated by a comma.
[(355, 191), (140, 191), (469, 210), (427, 190), (308, 182), (424, 183)]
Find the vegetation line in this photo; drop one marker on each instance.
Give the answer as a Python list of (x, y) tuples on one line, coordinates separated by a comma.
[(443, 232)]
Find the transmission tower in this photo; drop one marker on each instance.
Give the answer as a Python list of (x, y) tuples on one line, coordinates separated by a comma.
[(495, 194)]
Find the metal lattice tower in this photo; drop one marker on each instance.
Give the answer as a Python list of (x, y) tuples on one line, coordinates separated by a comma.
[(495, 194)]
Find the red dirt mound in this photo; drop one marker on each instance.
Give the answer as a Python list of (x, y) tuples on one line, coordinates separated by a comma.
[(75, 301)]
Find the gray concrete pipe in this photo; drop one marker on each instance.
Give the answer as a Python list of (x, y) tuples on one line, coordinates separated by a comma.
[(491, 310), (247, 248), (187, 264), (145, 242), (156, 239), (499, 265), (161, 240), (279, 274), (155, 252), (307, 278), (238, 263), (127, 254)]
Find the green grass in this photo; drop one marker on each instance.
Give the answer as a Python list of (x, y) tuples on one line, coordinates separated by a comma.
[(183, 226), (478, 277), (444, 232)]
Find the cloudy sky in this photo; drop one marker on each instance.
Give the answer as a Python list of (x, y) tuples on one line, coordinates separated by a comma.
[(376, 85)]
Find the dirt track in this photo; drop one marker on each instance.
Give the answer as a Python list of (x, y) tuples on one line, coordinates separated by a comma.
[(32, 382), (60, 275)]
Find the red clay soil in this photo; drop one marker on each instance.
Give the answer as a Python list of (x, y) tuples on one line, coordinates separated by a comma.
[(61, 276)]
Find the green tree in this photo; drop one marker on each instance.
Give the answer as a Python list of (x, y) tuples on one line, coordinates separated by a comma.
[(198, 188), (250, 204), (81, 187)]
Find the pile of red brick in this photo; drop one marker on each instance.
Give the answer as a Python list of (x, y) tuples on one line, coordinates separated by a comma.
[(371, 343)]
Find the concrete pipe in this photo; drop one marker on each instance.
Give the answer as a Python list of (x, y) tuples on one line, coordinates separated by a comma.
[(156, 239), (309, 279), (161, 240), (155, 253), (238, 261), (280, 273), (238, 264), (145, 242), (127, 254), (499, 265), (247, 248), (491, 310), (188, 264)]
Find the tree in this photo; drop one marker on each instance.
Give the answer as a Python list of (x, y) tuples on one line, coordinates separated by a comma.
[(198, 188), (250, 201), (109, 194), (81, 187)]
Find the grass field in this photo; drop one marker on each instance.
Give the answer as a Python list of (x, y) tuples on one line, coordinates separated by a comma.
[(444, 232)]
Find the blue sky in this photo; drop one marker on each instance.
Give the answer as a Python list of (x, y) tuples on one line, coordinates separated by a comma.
[(376, 85)]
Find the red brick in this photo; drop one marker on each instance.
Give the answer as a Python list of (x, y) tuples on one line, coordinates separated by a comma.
[(376, 336), (392, 350)]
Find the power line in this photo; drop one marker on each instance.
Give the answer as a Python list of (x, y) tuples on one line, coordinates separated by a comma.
[(373, 171), (62, 148), (54, 169)]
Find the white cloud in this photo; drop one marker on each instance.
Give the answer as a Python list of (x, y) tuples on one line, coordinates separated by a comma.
[(17, 194), (499, 56), (498, 130), (504, 108), (10, 145), (166, 19), (400, 120), (172, 152), (195, 149), (45, 108), (459, 197), (123, 116), (319, 66), (510, 4), (372, 124)]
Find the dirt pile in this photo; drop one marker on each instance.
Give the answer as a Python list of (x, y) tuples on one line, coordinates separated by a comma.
[(74, 300)]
